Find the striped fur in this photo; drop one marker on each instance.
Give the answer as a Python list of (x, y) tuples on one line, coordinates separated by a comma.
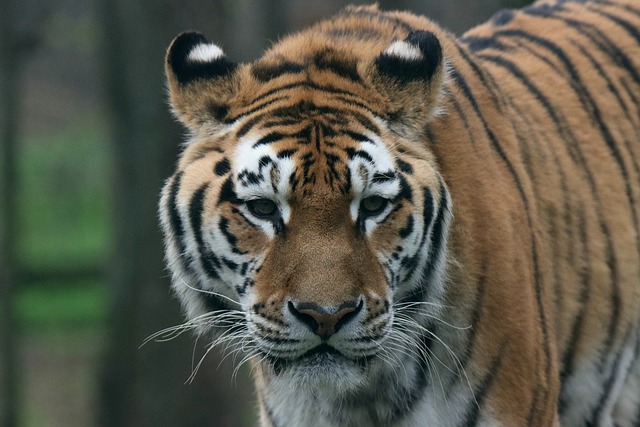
[(402, 228)]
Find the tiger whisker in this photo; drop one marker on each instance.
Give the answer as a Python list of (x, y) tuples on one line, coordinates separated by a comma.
[(213, 318), (208, 292), (411, 309), (460, 367)]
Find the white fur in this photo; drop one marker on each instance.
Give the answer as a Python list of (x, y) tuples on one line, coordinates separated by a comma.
[(585, 386), (407, 51), (382, 162), (629, 396), (205, 52), (247, 157)]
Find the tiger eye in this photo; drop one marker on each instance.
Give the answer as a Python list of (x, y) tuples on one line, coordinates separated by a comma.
[(373, 205), (262, 208)]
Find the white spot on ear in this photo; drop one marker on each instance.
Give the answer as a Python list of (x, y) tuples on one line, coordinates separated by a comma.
[(407, 51), (205, 53)]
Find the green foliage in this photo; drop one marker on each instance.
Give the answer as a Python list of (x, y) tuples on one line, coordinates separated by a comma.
[(45, 307), (63, 198), (63, 213)]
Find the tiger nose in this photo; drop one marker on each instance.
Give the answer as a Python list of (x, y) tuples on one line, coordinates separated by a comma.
[(325, 321)]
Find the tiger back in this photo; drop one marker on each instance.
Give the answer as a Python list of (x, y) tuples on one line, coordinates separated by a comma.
[(399, 227)]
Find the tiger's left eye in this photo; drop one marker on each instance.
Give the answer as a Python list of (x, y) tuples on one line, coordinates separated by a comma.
[(262, 208), (373, 205)]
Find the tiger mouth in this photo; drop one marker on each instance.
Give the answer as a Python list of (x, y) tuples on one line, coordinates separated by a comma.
[(323, 354)]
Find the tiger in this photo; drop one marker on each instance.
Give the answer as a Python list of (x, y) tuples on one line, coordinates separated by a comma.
[(396, 226)]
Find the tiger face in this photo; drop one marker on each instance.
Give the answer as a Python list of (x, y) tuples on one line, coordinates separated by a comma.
[(303, 213)]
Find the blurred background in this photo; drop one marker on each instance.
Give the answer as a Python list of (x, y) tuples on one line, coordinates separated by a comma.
[(85, 144)]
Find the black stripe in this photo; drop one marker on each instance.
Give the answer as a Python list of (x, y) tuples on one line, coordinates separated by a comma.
[(404, 166), (631, 29), (492, 138), (212, 301), (438, 232), (286, 154), (301, 84), (208, 260), (630, 118), (269, 138), (502, 17), (230, 237), (568, 357), (543, 10), (407, 229), (264, 72), (222, 167), (247, 178), (544, 101), (603, 74), (625, 7), (484, 77), (601, 41), (634, 100), (563, 129), (477, 44), (199, 153), (304, 109), (329, 60), (175, 220), (356, 136), (316, 136), (353, 153), (410, 262), (472, 416), (252, 108), (231, 265), (387, 176), (227, 193)]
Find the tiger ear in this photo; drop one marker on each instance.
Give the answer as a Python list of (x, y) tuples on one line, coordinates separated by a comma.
[(201, 80), (410, 75)]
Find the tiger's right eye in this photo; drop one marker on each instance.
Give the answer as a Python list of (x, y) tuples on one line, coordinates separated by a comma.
[(262, 208), (373, 205)]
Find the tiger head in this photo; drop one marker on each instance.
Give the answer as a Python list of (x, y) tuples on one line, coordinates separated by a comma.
[(306, 217)]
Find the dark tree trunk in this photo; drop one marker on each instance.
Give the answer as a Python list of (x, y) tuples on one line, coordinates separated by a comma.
[(138, 387), (10, 79), (146, 386), (16, 42)]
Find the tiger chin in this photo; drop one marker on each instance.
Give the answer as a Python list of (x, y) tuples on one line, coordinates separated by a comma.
[(398, 227)]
